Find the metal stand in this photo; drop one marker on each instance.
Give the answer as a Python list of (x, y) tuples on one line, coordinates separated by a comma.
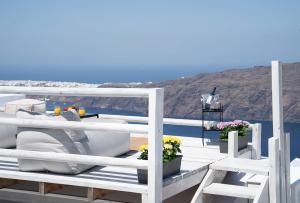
[(220, 110)]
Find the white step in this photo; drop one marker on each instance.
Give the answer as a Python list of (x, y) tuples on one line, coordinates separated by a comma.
[(259, 167), (231, 190)]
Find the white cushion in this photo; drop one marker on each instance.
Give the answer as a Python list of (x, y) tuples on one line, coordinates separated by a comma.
[(32, 105), (102, 143), (8, 133), (107, 143)]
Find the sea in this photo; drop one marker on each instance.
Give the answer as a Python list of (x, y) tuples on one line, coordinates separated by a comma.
[(189, 131), (97, 75)]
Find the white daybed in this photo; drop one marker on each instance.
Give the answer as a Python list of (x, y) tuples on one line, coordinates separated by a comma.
[(104, 143)]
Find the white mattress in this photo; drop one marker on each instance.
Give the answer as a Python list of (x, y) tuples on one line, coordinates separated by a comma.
[(102, 143)]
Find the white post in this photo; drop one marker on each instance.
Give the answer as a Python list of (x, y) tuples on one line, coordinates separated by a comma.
[(144, 198), (256, 141), (274, 180), (288, 166), (278, 120), (155, 113), (233, 146)]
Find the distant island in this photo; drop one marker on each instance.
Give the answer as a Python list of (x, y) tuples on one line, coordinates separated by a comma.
[(245, 93)]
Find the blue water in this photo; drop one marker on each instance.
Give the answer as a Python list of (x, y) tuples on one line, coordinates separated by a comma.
[(101, 74), (292, 128)]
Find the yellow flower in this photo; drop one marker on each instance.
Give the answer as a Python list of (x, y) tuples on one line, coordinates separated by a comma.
[(177, 139), (143, 147), (168, 139), (168, 146)]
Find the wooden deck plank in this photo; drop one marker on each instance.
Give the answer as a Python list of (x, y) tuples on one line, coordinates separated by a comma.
[(4, 182), (35, 197), (260, 167), (45, 188), (231, 190), (95, 193)]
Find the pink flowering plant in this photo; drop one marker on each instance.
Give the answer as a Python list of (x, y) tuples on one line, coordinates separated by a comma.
[(237, 125)]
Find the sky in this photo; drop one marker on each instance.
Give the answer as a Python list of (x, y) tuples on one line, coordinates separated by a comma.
[(135, 34)]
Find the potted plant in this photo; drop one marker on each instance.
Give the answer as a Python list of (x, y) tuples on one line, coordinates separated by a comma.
[(171, 158), (238, 125)]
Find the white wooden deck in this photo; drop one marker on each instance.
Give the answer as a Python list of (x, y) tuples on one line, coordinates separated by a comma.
[(195, 164)]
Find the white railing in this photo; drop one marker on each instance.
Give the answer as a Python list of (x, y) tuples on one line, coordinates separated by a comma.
[(154, 129), (83, 92), (170, 121), (233, 150), (256, 129), (79, 159), (74, 125)]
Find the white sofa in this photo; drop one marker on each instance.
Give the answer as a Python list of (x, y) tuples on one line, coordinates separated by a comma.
[(102, 143)]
